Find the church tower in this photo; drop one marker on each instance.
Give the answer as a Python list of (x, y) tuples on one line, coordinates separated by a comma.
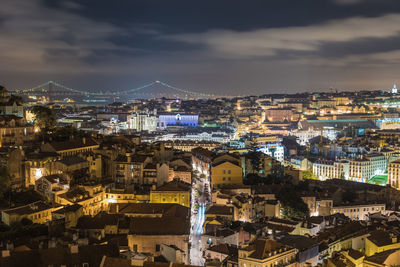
[(394, 89)]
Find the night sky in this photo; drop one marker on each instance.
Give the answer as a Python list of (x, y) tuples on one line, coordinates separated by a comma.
[(228, 46)]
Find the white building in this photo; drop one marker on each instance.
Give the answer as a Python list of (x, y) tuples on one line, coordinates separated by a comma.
[(359, 212), (217, 136), (394, 89), (388, 123), (275, 150), (327, 169), (172, 119), (394, 174), (142, 122), (361, 170)]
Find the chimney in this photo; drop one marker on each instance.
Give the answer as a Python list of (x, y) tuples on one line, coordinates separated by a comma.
[(74, 249), (10, 246), (5, 253)]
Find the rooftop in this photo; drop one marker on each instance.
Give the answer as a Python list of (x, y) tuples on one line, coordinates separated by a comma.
[(29, 209)]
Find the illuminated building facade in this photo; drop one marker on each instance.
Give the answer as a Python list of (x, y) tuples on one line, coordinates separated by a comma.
[(394, 89), (279, 114), (142, 122), (394, 174), (388, 123), (275, 150), (327, 169), (169, 119), (361, 170)]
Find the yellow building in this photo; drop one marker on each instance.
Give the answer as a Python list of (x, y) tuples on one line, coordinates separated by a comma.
[(383, 259), (91, 197), (126, 196), (70, 214), (220, 211), (71, 147), (380, 241), (226, 172), (173, 192), (37, 212), (394, 174), (216, 215), (265, 253)]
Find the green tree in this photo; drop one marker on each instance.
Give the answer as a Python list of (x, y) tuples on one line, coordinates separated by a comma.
[(5, 180), (309, 175), (44, 117), (252, 179), (293, 205), (349, 196), (65, 133), (26, 222), (18, 99)]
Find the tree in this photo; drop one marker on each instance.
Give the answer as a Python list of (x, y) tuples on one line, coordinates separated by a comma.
[(26, 222), (309, 175), (44, 117), (348, 196), (252, 179), (293, 205), (18, 99), (5, 180), (64, 133)]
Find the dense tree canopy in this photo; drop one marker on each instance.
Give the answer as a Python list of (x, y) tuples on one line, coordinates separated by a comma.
[(293, 205), (44, 117), (309, 175), (18, 99), (5, 180)]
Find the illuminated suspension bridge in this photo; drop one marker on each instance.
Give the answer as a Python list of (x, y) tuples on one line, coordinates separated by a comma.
[(154, 89)]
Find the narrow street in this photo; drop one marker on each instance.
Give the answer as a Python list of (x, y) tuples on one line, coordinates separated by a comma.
[(200, 197)]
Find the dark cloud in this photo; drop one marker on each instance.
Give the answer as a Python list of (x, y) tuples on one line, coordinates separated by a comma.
[(233, 46)]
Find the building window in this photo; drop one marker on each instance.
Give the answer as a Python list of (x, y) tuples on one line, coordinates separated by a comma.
[(157, 247)]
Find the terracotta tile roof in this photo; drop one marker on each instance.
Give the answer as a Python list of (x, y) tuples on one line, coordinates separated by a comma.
[(380, 258), (174, 185), (159, 226), (68, 208), (380, 238), (73, 144), (163, 209), (226, 249), (29, 209), (220, 210), (263, 248)]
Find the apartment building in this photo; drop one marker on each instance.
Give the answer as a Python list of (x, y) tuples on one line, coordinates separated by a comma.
[(361, 170), (328, 169), (359, 212), (394, 174)]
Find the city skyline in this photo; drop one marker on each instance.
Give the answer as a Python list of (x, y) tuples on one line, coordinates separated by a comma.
[(256, 48)]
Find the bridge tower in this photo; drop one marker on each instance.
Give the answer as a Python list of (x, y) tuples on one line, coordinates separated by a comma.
[(49, 91)]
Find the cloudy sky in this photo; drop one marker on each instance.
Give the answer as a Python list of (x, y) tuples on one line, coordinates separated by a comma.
[(228, 46)]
